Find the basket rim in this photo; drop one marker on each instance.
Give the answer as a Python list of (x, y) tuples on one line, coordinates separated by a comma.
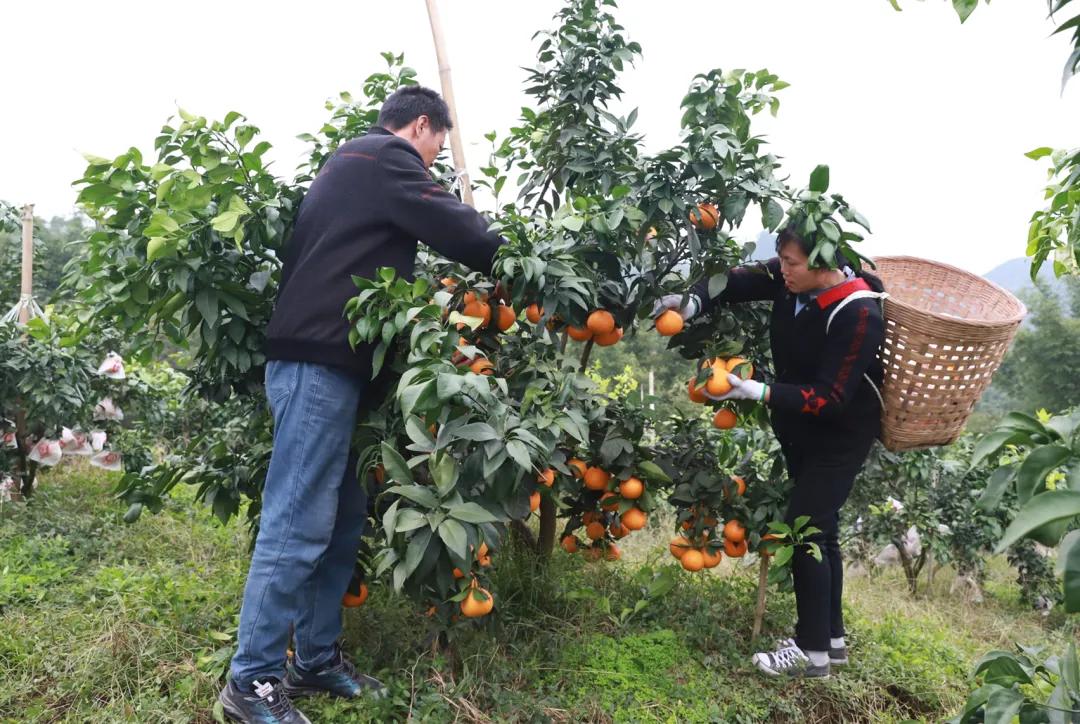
[(1022, 308)]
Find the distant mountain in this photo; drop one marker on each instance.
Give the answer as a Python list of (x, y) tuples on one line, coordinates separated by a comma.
[(1015, 276)]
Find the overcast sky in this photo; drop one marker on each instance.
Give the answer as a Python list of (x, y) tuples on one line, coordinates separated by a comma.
[(924, 122)]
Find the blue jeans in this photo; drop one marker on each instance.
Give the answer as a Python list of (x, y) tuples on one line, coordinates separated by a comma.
[(313, 513)]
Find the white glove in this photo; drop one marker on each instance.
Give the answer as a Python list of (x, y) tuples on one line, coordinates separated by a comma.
[(674, 301), (742, 390)]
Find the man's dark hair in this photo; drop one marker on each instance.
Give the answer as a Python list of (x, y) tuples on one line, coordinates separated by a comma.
[(409, 103)]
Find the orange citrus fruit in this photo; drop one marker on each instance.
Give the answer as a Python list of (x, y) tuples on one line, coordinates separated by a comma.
[(734, 531), (705, 216), (692, 560), (352, 600), (635, 519), (601, 322), (725, 419), (669, 323), (596, 478), (631, 488), (475, 606)]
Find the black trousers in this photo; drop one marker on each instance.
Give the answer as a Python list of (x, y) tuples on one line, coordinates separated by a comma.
[(823, 481)]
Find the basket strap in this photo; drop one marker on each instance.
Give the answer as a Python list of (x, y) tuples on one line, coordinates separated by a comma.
[(866, 376), (861, 294)]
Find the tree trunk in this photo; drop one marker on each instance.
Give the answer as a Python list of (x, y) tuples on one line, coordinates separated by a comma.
[(546, 542), (762, 588), (905, 561), (24, 466), (523, 536)]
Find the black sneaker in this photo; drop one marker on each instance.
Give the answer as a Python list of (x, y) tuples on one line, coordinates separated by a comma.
[(266, 703), (338, 678), (838, 656), (789, 661)]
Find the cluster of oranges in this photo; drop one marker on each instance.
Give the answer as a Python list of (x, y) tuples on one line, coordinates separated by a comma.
[(700, 545), (600, 326), (600, 524), (479, 305), (717, 384)]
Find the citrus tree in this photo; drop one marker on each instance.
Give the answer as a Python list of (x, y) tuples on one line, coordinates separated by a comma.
[(491, 415)]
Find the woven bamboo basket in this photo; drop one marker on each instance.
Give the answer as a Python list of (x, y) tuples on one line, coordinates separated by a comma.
[(946, 332)]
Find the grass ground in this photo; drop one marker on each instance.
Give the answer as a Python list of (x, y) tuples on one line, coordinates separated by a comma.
[(105, 622)]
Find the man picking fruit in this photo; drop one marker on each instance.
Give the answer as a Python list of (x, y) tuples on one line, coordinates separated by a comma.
[(367, 208), (826, 329)]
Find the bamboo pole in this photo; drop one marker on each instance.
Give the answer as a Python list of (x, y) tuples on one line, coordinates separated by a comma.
[(27, 290), (443, 59)]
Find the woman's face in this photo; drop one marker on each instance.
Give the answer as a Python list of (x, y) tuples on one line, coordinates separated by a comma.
[(798, 276)]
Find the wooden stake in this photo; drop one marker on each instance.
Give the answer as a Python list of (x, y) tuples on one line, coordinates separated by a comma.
[(762, 587), (443, 59), (27, 290)]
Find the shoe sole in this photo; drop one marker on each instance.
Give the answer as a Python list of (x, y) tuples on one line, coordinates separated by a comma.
[(230, 716), (838, 662), (296, 692), (772, 672)]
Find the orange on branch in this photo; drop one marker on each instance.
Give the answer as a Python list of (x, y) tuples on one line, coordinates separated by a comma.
[(725, 419), (635, 519), (669, 323), (705, 217), (601, 322), (631, 488)]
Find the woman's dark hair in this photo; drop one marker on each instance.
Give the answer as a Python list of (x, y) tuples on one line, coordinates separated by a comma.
[(409, 103), (788, 235)]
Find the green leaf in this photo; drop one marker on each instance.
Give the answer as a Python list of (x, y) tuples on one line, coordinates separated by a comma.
[(419, 434), (651, 471), (995, 487), (472, 513), (395, 465), (477, 432), (783, 555), (1069, 567), (573, 223), (416, 493), (1038, 153), (990, 444), (717, 284), (456, 539), (444, 472), (1042, 509), (417, 547), (1002, 668), (1070, 668), (772, 214), (206, 303), (409, 519), (964, 8), (1004, 704), (448, 385), (819, 179), (1042, 461), (520, 454)]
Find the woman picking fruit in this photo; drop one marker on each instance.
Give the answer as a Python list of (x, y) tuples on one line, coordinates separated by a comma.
[(826, 329)]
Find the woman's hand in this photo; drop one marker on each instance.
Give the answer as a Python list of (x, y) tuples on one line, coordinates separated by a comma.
[(674, 301), (742, 390)]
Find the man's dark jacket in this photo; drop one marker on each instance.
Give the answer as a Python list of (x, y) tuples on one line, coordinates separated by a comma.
[(368, 207)]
